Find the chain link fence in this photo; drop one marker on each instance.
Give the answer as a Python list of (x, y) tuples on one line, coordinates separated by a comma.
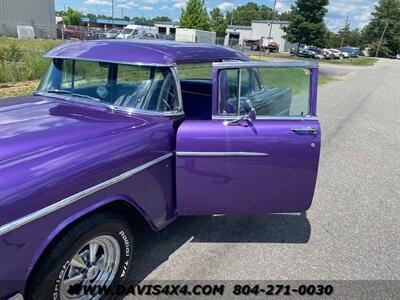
[(26, 30), (67, 32)]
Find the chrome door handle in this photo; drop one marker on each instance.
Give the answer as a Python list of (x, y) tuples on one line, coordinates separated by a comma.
[(305, 129)]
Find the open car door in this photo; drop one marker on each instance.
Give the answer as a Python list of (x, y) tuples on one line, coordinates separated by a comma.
[(260, 151)]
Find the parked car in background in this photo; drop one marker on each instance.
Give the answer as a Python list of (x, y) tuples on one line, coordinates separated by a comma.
[(318, 53), (398, 56), (345, 54), (255, 47), (272, 47), (112, 34), (135, 31), (121, 131), (328, 54), (149, 36), (306, 53), (336, 53), (351, 51), (70, 32), (93, 34)]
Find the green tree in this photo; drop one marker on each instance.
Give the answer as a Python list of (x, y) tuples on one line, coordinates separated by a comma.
[(91, 16), (103, 17), (60, 13), (352, 38), (245, 14), (307, 23), (218, 22), (73, 17), (387, 11), (195, 16), (161, 19)]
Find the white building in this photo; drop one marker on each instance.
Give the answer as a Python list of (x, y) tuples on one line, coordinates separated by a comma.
[(258, 30), (166, 28), (40, 14)]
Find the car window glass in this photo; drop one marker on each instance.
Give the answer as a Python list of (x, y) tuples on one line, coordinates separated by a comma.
[(146, 88), (195, 71), (228, 91), (270, 91), (88, 74), (138, 87)]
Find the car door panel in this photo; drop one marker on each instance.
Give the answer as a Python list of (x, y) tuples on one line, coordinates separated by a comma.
[(246, 169), (240, 163)]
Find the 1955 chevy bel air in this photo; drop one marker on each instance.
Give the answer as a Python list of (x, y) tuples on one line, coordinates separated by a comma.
[(119, 130)]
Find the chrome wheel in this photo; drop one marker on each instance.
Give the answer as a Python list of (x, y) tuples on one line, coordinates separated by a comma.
[(96, 263)]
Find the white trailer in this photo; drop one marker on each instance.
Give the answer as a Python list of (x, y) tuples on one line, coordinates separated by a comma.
[(195, 36)]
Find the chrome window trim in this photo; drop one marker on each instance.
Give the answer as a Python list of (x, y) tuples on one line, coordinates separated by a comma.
[(122, 62), (239, 74), (262, 64), (175, 74), (267, 64), (219, 154), (283, 118), (113, 108), (74, 198)]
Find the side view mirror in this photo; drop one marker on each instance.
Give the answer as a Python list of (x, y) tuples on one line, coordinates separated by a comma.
[(249, 113), (248, 108), (252, 114)]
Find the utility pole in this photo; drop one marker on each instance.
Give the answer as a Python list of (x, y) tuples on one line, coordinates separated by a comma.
[(380, 41), (231, 17), (270, 25), (112, 14), (122, 12), (344, 31)]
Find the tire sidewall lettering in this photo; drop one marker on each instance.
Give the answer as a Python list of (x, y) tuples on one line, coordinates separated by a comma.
[(60, 276), (127, 253)]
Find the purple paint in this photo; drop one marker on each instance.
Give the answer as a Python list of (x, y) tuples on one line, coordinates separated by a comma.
[(52, 149)]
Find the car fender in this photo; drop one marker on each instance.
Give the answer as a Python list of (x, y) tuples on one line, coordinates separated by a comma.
[(64, 223)]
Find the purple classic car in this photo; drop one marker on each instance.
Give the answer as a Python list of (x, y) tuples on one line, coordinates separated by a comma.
[(126, 130)]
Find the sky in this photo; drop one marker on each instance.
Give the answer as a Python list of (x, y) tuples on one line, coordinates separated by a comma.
[(358, 11)]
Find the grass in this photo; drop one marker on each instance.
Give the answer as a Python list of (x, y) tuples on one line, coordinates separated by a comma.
[(22, 60), (29, 45), (18, 89), (359, 61)]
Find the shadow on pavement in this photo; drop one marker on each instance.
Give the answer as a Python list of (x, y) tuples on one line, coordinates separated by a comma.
[(154, 248)]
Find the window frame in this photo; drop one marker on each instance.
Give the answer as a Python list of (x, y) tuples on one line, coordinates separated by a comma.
[(312, 95)]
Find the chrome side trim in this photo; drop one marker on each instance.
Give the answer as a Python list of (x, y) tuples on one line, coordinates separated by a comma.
[(219, 154), (283, 118), (71, 199)]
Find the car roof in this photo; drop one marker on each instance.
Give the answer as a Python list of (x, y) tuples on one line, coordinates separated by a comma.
[(161, 53)]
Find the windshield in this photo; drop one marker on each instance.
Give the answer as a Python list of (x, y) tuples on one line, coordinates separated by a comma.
[(113, 31), (138, 87)]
